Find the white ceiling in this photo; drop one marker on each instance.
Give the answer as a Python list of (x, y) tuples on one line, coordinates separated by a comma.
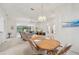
[(18, 10)]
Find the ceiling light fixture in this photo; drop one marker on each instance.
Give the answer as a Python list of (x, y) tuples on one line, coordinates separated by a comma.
[(42, 18)]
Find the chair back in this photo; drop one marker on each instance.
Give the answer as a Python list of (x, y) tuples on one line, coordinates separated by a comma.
[(33, 44), (64, 49), (25, 36), (28, 35)]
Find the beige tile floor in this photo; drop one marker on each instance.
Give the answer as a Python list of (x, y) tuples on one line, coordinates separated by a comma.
[(17, 47)]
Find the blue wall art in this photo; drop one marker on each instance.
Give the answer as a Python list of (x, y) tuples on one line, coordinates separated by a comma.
[(73, 23)]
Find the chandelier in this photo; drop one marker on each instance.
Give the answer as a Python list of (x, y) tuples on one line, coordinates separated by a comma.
[(42, 17)]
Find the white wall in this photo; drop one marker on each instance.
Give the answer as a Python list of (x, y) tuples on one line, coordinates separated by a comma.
[(11, 22), (8, 23), (4, 25), (66, 13)]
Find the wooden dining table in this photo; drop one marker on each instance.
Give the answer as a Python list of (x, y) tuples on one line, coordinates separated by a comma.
[(47, 44), (35, 37)]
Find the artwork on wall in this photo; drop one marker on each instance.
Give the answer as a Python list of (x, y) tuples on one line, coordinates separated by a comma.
[(73, 23)]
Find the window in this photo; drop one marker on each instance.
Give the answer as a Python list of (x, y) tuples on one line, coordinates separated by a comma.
[(23, 28)]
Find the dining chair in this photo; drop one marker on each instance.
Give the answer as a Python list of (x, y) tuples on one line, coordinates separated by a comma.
[(32, 44), (28, 35), (35, 48), (64, 49), (25, 36)]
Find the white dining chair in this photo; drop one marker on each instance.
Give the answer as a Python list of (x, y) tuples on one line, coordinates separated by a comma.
[(64, 50)]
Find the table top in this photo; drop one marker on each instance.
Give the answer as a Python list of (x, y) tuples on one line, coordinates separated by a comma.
[(35, 37), (49, 44)]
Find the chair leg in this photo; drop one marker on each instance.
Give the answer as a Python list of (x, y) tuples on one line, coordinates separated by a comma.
[(49, 52)]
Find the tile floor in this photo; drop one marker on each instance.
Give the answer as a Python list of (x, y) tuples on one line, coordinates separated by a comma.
[(18, 47)]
